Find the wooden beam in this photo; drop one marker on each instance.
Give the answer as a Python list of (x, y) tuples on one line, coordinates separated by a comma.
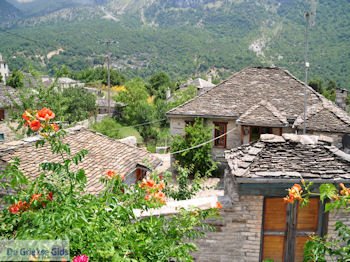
[(289, 248)]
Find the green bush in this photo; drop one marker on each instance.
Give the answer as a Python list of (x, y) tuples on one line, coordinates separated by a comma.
[(200, 158)]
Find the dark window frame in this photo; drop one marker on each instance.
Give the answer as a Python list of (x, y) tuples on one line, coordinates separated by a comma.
[(217, 132), (2, 114)]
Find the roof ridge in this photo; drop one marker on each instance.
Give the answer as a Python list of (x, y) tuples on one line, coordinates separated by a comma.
[(325, 104), (203, 93)]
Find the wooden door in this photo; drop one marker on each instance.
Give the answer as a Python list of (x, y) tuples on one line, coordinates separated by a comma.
[(275, 211), (275, 232)]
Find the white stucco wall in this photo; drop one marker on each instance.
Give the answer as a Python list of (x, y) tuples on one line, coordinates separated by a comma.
[(4, 71)]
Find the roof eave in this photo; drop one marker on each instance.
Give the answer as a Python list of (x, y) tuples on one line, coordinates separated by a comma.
[(201, 116), (240, 180), (267, 125)]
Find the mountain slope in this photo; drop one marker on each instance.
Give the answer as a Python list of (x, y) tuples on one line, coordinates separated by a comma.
[(188, 37), (8, 12)]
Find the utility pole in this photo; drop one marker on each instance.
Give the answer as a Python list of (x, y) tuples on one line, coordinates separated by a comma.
[(108, 42), (307, 16)]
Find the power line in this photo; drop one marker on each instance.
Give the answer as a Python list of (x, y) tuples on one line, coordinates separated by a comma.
[(108, 42), (142, 124), (202, 144)]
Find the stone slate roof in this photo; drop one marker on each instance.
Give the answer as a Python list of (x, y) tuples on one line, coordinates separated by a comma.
[(289, 157), (263, 114), (199, 83), (104, 154), (325, 117), (103, 102), (4, 99), (247, 88)]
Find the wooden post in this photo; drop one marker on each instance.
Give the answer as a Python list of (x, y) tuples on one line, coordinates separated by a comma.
[(289, 243)]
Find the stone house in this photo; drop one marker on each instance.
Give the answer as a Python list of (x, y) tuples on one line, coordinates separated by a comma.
[(257, 224), (104, 154), (200, 84), (4, 70), (255, 101)]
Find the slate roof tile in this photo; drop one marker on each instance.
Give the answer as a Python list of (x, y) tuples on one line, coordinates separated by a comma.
[(104, 154), (292, 157)]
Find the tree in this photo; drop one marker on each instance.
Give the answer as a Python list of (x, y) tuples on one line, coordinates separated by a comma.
[(200, 158), (138, 110), (317, 85), (71, 104), (63, 71), (158, 85), (0, 78), (101, 74), (78, 104), (16, 79)]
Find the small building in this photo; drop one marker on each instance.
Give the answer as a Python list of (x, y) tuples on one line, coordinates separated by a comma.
[(256, 101), (116, 107), (4, 70), (104, 154), (258, 224), (66, 82), (200, 84)]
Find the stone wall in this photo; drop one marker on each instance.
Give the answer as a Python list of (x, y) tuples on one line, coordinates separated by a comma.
[(9, 134), (238, 234)]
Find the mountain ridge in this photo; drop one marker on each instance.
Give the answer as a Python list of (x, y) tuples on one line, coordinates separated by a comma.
[(193, 37)]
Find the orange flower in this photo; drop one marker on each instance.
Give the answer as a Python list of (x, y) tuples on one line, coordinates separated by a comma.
[(34, 125), (13, 209), (26, 116), (150, 183), (50, 196), (147, 197), (159, 195), (55, 127), (161, 185), (20, 206), (218, 205), (45, 114), (110, 174), (122, 177), (296, 187), (345, 191), (35, 197)]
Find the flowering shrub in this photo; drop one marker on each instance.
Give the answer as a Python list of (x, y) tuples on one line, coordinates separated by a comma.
[(99, 227), (317, 248)]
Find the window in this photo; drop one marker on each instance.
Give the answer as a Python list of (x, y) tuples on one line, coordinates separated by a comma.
[(257, 131), (2, 137), (140, 174), (2, 114), (280, 229), (220, 129), (189, 123)]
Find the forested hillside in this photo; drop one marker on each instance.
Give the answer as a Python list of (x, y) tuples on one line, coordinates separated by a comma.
[(186, 37)]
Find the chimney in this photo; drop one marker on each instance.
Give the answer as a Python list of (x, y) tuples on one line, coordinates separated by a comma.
[(168, 93), (340, 98), (209, 79)]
